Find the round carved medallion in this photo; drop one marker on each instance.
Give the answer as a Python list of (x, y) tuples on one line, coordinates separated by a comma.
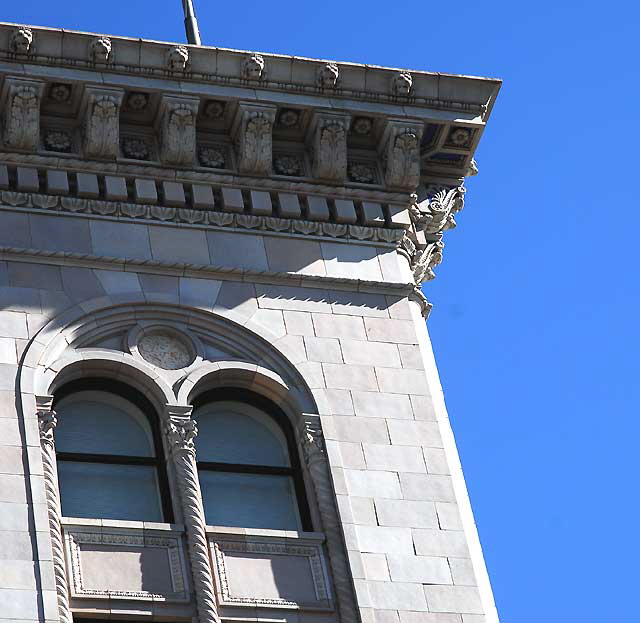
[(165, 351)]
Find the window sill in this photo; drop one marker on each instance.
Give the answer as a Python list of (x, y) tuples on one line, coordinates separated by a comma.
[(122, 524), (262, 532)]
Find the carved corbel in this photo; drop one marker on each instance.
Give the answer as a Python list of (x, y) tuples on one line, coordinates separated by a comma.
[(328, 139), (434, 208), (102, 122), (311, 441), (177, 121), (253, 130), (46, 423), (20, 102), (400, 146), (180, 431)]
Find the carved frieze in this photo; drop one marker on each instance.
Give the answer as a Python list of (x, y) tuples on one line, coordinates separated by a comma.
[(328, 136), (178, 130), (253, 130), (401, 150), (21, 118), (102, 122)]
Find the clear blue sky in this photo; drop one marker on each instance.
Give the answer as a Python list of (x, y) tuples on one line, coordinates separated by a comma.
[(537, 308)]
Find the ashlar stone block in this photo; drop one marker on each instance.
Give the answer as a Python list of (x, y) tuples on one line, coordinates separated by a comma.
[(420, 569), (406, 514), (394, 458), (463, 599)]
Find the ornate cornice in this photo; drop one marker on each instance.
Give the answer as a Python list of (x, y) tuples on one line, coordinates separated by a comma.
[(166, 114), (241, 68)]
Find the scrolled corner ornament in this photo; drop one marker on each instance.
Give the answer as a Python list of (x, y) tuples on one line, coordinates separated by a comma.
[(422, 258), (436, 215)]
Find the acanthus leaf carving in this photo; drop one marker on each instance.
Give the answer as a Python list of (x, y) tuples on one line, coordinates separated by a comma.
[(102, 123), (178, 130), (422, 258), (181, 431), (330, 147), (402, 83), (437, 214), (400, 146), (403, 161), (254, 126), (22, 113)]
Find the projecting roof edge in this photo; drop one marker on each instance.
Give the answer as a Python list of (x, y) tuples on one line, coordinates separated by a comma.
[(294, 74)]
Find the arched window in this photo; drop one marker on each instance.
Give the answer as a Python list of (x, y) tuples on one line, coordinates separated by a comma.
[(248, 463), (109, 453)]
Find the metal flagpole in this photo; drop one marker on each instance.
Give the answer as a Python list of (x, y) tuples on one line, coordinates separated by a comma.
[(191, 23)]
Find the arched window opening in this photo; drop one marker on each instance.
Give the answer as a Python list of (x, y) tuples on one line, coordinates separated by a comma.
[(248, 464), (109, 453)]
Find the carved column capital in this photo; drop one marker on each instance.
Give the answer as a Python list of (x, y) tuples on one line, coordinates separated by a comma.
[(20, 102), (177, 122), (311, 439), (328, 139), (181, 431), (400, 147), (253, 129), (47, 419), (101, 122)]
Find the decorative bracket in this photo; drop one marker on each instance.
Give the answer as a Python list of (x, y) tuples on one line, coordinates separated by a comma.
[(253, 129), (328, 138), (400, 146), (20, 101), (177, 119), (102, 122)]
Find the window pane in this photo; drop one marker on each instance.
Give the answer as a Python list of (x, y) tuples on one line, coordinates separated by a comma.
[(100, 491), (249, 500), (102, 423), (235, 432)]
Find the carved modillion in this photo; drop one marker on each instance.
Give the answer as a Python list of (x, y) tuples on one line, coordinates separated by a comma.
[(401, 152), (328, 135), (180, 431), (21, 118), (253, 131), (178, 130), (102, 122), (46, 423)]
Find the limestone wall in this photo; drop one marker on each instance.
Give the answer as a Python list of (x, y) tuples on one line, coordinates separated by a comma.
[(413, 554)]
